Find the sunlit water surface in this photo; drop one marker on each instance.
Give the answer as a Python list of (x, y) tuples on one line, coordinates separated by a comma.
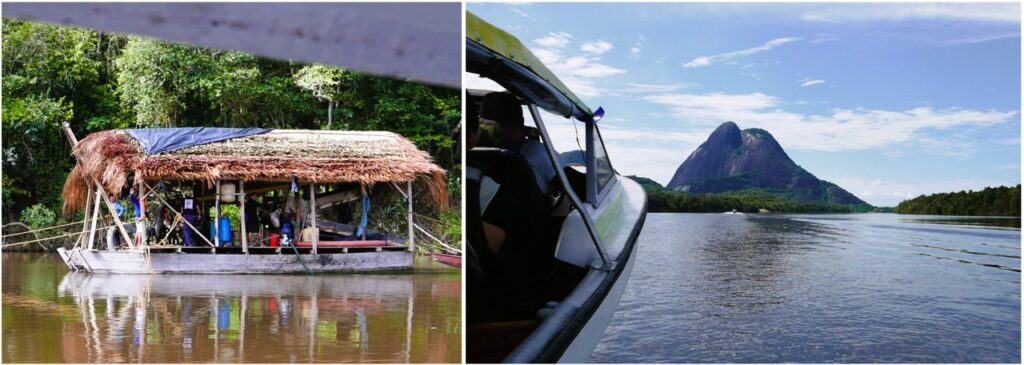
[(820, 288), (55, 316)]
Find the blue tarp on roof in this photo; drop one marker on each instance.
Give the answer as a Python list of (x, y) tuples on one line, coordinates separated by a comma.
[(160, 140)]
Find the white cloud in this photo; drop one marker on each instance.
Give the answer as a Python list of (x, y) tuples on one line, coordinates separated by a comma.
[(841, 130), (655, 88), (579, 73), (634, 51), (990, 12), (811, 82), (729, 56), (596, 48), (522, 13), (555, 40)]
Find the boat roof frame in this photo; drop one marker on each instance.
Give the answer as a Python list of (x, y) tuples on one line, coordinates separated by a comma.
[(497, 55)]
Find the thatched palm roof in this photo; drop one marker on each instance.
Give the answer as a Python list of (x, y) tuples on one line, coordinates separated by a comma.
[(308, 155)]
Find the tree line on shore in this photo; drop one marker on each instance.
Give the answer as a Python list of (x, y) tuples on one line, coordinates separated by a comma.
[(991, 201)]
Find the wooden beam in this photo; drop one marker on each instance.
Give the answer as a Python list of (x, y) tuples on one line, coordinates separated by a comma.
[(95, 217), (412, 235), (312, 215), (85, 216), (216, 217), (245, 236)]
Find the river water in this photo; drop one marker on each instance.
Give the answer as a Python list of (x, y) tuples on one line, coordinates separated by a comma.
[(820, 288), (55, 316)]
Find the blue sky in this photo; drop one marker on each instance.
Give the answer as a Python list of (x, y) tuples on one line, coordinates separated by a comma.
[(889, 101)]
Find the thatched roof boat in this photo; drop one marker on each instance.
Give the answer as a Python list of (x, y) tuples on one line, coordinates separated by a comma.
[(277, 155)]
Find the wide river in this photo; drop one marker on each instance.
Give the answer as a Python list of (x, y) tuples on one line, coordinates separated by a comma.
[(55, 316), (820, 288)]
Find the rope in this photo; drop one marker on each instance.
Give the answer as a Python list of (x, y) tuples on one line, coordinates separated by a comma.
[(299, 257), (44, 229), (48, 238)]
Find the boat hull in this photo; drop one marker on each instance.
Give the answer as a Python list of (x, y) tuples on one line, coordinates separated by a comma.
[(450, 260), (135, 262), (583, 345)]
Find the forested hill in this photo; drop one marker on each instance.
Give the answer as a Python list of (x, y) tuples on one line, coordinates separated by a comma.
[(99, 81), (998, 201)]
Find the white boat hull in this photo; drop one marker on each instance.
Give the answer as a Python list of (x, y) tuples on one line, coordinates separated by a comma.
[(583, 345), (135, 262)]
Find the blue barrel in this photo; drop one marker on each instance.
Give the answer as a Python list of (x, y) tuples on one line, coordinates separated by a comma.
[(286, 230), (225, 230)]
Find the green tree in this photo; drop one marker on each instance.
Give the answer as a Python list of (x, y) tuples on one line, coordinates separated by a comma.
[(323, 82)]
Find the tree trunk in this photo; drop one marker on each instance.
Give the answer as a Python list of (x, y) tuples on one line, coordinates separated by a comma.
[(330, 113)]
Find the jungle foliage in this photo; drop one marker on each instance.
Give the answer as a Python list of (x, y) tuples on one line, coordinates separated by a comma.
[(992, 201), (98, 81)]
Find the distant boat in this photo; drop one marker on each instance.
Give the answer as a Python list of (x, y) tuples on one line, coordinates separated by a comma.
[(734, 212), (450, 260)]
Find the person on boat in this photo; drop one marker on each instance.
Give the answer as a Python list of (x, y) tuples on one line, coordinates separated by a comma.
[(140, 221), (188, 213), (252, 219), (502, 125)]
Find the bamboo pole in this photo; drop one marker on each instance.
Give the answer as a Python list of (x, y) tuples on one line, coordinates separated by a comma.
[(412, 234), (85, 216), (245, 235), (312, 215), (95, 217)]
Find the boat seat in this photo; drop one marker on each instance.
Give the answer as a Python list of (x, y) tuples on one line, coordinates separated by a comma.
[(526, 256)]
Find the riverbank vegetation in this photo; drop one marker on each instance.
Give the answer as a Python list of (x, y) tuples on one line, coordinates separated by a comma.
[(991, 201), (99, 81)]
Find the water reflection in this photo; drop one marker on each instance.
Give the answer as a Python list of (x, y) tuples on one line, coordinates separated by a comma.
[(191, 318), (713, 288)]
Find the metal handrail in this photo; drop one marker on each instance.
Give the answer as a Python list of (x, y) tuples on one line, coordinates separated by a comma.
[(587, 220)]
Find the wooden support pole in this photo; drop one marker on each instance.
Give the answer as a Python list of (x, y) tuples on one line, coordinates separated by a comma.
[(140, 224), (412, 235), (312, 215), (113, 213), (95, 217), (85, 216), (245, 233), (216, 217), (96, 183)]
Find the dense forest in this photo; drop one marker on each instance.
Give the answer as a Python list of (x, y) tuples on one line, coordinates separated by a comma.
[(663, 200), (998, 201), (98, 81)]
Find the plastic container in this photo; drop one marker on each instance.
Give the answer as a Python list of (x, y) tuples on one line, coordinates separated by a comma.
[(225, 230), (227, 192), (275, 240)]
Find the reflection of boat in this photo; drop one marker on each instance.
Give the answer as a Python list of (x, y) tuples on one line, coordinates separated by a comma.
[(80, 284), (450, 260), (551, 295)]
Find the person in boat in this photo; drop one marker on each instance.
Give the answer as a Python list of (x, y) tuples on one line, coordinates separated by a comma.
[(252, 219), (502, 125), (189, 214), (140, 221)]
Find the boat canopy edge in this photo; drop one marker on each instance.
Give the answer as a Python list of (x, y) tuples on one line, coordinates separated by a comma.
[(500, 56)]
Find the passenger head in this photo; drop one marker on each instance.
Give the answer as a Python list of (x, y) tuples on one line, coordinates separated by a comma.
[(501, 118)]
